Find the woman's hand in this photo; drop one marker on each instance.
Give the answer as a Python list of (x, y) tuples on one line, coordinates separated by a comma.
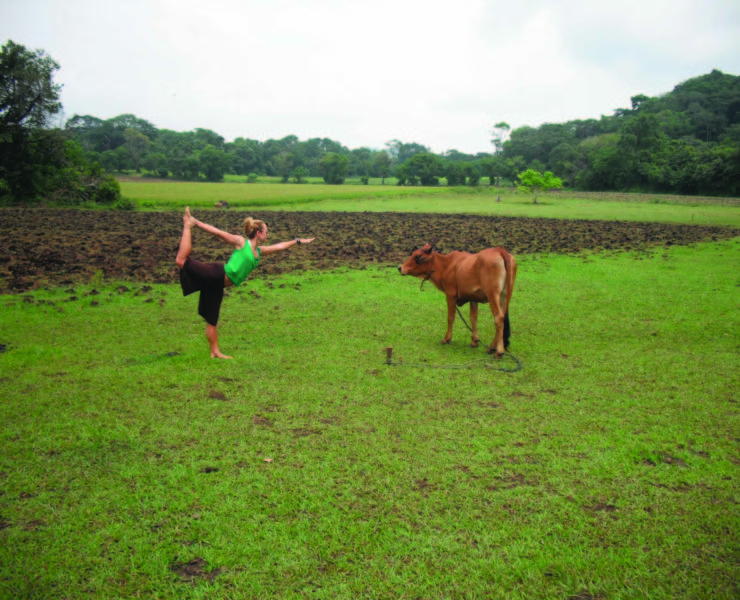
[(284, 245)]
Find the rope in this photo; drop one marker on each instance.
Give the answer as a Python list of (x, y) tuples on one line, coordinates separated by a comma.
[(487, 363)]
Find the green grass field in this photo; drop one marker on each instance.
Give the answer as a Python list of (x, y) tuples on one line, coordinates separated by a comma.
[(132, 465), (159, 195)]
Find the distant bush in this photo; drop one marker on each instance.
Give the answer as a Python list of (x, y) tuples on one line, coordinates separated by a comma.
[(252, 178), (124, 204), (108, 191)]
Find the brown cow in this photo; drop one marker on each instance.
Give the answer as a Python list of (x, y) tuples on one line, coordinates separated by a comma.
[(487, 276)]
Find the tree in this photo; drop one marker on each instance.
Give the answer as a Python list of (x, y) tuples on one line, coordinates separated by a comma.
[(512, 167), (138, 145), (455, 174), (382, 165), (28, 100), (28, 95), (400, 152), (472, 172), (156, 162), (334, 168), (299, 174), (213, 163), (426, 167), (498, 136), (535, 182), (282, 164)]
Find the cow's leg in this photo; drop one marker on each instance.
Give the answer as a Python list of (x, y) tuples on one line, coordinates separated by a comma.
[(497, 345), (450, 319), (474, 324)]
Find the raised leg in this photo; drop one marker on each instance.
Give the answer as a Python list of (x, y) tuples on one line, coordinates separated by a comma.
[(186, 242), (212, 335), (474, 324)]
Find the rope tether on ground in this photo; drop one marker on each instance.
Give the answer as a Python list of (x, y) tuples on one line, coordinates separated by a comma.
[(467, 365)]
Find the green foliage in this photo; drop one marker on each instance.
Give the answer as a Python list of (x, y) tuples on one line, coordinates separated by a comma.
[(30, 153), (28, 94), (252, 178), (425, 167), (124, 204), (108, 191), (138, 145), (473, 174), (299, 174), (213, 163), (680, 142), (156, 163), (499, 135), (334, 168), (455, 174), (535, 182), (382, 165)]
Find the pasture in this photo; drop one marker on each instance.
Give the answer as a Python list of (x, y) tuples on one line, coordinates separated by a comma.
[(131, 465), (483, 200)]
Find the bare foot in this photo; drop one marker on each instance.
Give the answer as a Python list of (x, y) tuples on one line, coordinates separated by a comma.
[(188, 219), (219, 355)]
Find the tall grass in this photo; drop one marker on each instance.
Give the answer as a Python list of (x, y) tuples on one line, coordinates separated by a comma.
[(132, 465)]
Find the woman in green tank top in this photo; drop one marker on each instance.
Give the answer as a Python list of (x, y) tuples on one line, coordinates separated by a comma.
[(211, 279)]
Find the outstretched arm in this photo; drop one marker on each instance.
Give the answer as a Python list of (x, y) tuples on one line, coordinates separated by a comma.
[(284, 245), (229, 238)]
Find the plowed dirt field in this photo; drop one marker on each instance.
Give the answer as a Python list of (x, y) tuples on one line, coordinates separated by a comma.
[(40, 247)]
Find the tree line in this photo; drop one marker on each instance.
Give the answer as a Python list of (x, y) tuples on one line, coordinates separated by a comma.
[(686, 142)]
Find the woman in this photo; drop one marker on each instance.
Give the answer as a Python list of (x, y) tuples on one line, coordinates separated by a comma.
[(211, 279)]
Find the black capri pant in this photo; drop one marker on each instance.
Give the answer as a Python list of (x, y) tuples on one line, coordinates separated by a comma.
[(208, 279)]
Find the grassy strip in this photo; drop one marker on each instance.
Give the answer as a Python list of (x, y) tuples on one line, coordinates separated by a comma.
[(178, 194), (132, 465), (376, 198)]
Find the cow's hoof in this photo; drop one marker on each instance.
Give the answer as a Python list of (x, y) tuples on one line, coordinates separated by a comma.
[(446, 342), (496, 354), (474, 344)]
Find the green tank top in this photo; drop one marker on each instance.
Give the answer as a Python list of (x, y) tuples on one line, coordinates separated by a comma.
[(242, 263)]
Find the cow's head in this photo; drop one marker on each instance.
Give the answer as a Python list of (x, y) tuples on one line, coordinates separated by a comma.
[(419, 263)]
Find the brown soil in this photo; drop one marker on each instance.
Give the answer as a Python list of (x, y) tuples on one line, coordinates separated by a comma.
[(62, 247)]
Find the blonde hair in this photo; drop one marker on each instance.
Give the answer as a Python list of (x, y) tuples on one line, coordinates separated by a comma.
[(252, 227)]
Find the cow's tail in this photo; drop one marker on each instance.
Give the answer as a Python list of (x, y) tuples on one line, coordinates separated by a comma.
[(510, 266)]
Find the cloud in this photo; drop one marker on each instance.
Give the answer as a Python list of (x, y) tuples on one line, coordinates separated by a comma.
[(363, 73)]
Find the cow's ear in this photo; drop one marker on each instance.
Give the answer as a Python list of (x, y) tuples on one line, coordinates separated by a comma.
[(428, 248)]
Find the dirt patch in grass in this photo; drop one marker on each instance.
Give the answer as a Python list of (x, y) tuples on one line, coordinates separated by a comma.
[(303, 432), (62, 247), (195, 569), (587, 596)]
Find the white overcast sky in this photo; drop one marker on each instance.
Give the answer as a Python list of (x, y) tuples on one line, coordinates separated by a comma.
[(439, 73)]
